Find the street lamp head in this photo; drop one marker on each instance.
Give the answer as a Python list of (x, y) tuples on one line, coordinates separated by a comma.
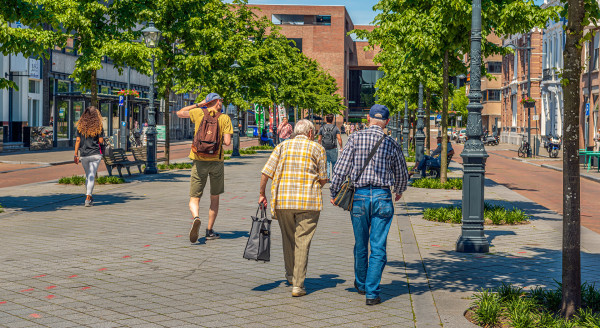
[(151, 35), (235, 64)]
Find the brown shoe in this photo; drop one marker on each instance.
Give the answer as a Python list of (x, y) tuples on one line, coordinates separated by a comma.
[(298, 291), (195, 230)]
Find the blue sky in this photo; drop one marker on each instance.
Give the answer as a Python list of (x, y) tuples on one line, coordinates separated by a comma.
[(360, 10)]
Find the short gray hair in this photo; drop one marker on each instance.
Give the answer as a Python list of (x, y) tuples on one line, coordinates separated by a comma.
[(376, 121), (303, 127)]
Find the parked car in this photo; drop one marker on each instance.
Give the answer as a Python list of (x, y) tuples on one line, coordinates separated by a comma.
[(462, 136)]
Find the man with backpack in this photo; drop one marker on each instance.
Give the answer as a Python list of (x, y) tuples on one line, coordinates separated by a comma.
[(329, 138), (212, 131)]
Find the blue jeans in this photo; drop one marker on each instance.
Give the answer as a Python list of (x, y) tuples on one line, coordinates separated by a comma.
[(332, 157), (428, 161), (372, 213), (269, 141)]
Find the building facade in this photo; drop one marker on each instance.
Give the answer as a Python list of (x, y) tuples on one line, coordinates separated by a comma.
[(491, 90), (321, 33), (552, 95), (515, 71), (589, 128)]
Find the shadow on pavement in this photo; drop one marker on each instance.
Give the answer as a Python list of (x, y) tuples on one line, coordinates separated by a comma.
[(312, 284), (54, 202), (457, 272)]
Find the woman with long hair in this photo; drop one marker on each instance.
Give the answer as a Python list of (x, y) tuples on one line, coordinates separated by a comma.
[(90, 135)]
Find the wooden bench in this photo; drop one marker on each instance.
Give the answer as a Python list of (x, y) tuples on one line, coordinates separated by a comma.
[(141, 155), (118, 159)]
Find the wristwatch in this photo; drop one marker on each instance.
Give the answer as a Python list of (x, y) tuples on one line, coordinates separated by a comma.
[(196, 105)]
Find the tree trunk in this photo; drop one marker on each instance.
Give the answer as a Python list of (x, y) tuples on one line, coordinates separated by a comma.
[(444, 123), (166, 97), (571, 243), (428, 122), (94, 88)]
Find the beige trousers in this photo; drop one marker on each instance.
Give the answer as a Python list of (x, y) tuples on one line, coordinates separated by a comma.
[(297, 230)]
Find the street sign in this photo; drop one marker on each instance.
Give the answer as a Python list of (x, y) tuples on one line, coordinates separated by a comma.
[(536, 117), (121, 100), (587, 109), (123, 123), (439, 117)]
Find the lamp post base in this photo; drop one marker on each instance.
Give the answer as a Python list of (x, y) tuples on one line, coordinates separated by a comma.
[(472, 245), (151, 170), (236, 143)]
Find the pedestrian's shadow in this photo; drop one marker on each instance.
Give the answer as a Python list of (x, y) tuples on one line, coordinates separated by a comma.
[(225, 235), (312, 284)]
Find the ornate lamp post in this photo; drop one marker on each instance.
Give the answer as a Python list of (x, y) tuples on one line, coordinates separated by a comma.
[(420, 135), (405, 129), (151, 38), (236, 131), (472, 238)]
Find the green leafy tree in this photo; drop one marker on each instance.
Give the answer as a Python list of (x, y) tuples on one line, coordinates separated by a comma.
[(99, 29), (420, 38), (33, 41)]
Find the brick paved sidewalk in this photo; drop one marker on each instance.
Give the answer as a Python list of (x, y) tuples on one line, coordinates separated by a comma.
[(126, 262)]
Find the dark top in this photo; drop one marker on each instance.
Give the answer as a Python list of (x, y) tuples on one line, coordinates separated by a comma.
[(334, 131), (89, 146)]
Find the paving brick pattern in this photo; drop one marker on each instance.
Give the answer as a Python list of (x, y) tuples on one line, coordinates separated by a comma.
[(127, 262)]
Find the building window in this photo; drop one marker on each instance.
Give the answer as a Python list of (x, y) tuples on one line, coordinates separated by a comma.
[(297, 43), (323, 20), (494, 95), (494, 67), (34, 86), (361, 88), (287, 19), (283, 19)]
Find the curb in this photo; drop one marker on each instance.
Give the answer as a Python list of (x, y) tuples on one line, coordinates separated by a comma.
[(546, 166)]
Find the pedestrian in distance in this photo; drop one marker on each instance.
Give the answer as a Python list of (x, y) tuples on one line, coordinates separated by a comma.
[(212, 131), (90, 137), (352, 128), (298, 170), (434, 160), (284, 130), (264, 138), (372, 209), (329, 138)]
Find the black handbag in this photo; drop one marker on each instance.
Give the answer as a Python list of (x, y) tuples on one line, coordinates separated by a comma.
[(345, 197), (258, 247)]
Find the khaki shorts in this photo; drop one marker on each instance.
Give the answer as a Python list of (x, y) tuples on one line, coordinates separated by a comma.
[(200, 173)]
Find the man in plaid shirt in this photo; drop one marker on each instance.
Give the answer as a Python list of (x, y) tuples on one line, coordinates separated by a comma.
[(298, 168), (373, 208)]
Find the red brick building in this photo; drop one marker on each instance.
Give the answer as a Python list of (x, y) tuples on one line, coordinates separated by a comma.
[(321, 33), (514, 86)]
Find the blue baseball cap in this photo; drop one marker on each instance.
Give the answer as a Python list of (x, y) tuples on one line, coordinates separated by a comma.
[(212, 97), (379, 112)]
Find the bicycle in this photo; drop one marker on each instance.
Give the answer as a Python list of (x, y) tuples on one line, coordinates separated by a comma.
[(524, 149)]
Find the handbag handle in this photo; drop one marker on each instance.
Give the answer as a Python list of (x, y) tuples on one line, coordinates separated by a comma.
[(263, 211), (371, 154)]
